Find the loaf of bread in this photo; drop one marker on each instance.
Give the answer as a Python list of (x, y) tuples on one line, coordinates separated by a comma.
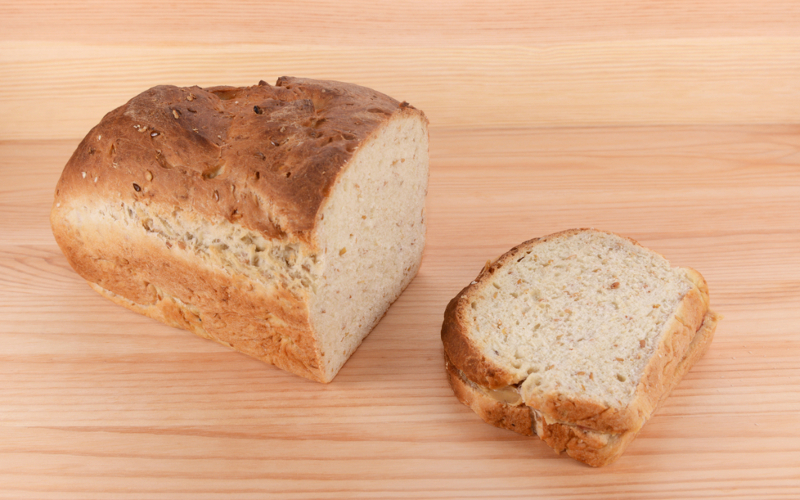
[(577, 338), (281, 221)]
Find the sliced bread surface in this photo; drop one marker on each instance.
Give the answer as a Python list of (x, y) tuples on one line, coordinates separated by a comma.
[(589, 328), (504, 408)]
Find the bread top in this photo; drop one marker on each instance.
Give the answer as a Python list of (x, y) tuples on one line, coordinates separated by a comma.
[(264, 157), (586, 324)]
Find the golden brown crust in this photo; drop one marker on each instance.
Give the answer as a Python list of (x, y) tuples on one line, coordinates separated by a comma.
[(590, 447), (584, 444), (593, 448), (171, 285), (515, 418), (264, 157), (467, 356)]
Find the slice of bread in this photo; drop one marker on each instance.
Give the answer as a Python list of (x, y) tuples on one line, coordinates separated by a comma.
[(576, 337)]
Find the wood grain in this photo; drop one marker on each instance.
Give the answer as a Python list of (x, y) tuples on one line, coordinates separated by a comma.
[(671, 122), (387, 22), (100, 402), (466, 64)]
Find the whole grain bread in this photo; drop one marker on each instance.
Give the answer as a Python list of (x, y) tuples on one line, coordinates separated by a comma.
[(576, 337), (281, 221)]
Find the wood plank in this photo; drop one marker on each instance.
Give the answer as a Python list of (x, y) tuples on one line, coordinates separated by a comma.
[(387, 22), (674, 122), (664, 81), (98, 401)]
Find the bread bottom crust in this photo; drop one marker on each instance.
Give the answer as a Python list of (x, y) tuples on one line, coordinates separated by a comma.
[(590, 447)]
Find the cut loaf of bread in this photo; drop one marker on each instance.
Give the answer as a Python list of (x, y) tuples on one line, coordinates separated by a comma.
[(281, 221), (576, 337)]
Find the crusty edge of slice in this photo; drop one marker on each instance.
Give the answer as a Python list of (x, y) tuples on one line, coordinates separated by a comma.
[(458, 346), (517, 418), (591, 447), (673, 345), (469, 358)]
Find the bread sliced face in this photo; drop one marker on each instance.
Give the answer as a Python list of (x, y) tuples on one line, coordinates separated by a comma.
[(587, 326), (371, 234)]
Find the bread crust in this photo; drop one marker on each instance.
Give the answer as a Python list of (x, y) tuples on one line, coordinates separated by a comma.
[(587, 419), (466, 355), (264, 158), (517, 418), (470, 358), (584, 444), (174, 287)]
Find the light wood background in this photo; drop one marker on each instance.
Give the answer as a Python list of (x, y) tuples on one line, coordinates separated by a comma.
[(673, 122)]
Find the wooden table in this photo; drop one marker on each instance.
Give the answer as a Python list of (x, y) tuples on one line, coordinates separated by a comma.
[(674, 123)]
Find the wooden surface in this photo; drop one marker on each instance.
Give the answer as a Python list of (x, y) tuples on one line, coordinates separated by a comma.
[(670, 122), (467, 64)]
